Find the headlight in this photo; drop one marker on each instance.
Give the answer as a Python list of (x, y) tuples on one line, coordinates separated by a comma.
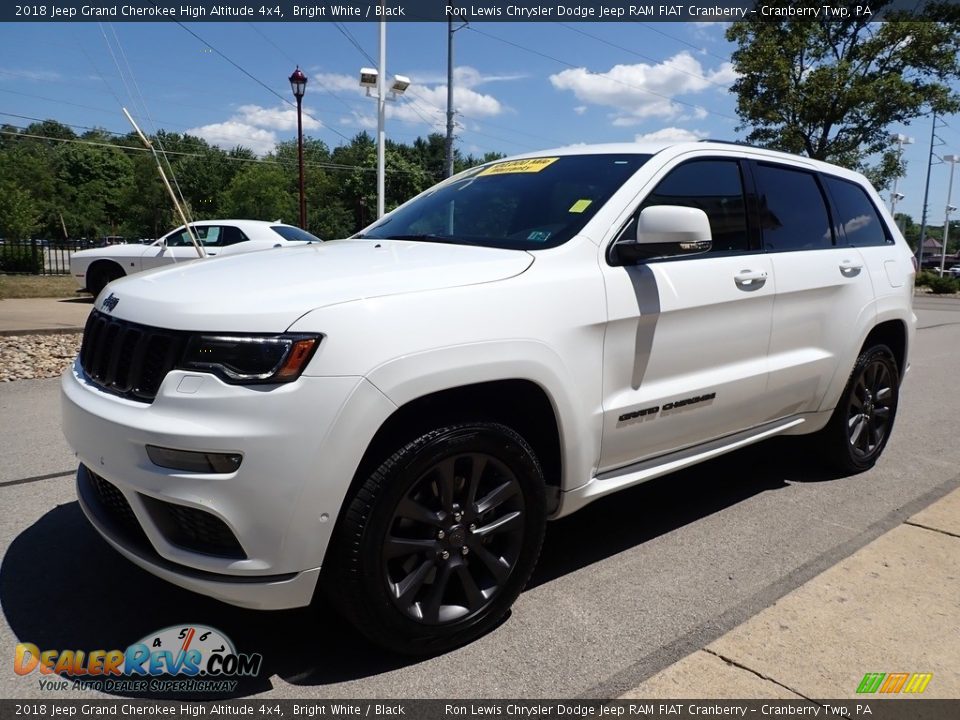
[(251, 359)]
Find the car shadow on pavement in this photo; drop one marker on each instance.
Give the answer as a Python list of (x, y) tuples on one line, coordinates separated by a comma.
[(62, 587), (79, 300)]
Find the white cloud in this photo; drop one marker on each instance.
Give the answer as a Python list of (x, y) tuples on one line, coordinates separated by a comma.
[(580, 109), (276, 118), (254, 127), (35, 75), (231, 133), (670, 134), (641, 91)]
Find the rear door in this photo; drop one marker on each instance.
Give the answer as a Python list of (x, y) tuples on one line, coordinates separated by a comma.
[(685, 349), (823, 293)]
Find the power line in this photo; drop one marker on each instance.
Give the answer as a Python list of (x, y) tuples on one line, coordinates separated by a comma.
[(668, 62), (263, 84), (224, 156), (648, 26), (592, 72)]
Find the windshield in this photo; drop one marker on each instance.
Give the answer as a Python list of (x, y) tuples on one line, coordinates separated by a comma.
[(516, 204), (288, 232)]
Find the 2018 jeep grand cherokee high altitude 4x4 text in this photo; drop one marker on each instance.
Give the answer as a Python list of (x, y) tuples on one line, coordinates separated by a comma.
[(392, 418)]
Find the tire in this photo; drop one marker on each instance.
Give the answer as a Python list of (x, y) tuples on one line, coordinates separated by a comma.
[(438, 542), (101, 275), (861, 424)]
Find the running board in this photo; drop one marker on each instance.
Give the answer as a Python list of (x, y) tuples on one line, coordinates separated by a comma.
[(636, 473)]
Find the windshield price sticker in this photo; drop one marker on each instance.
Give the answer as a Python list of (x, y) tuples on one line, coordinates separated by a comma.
[(533, 165)]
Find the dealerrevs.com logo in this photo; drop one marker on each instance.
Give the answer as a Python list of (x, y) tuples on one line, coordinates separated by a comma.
[(180, 658)]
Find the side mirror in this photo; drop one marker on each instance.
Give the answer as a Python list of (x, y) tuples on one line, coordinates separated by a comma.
[(666, 231)]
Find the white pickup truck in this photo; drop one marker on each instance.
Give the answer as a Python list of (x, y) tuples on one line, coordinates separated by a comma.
[(392, 418)]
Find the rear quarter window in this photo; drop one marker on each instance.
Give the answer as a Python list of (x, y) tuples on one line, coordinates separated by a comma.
[(857, 216)]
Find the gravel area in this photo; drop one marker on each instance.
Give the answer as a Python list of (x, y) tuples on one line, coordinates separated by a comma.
[(30, 357)]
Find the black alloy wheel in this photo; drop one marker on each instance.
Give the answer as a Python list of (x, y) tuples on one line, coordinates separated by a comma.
[(861, 424), (435, 545), (869, 412), (454, 538)]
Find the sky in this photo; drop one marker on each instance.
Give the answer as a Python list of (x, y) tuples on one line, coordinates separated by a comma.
[(519, 87)]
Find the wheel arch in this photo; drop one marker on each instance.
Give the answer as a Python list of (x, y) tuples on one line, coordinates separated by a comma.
[(520, 404), (98, 265), (893, 334)]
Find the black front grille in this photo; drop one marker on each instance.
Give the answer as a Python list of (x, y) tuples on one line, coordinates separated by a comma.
[(112, 507), (193, 529), (128, 359)]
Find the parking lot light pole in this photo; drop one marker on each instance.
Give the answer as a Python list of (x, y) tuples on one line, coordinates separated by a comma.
[(953, 160), (895, 196), (298, 83)]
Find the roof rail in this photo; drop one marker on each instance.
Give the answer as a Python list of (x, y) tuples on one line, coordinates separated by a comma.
[(732, 142)]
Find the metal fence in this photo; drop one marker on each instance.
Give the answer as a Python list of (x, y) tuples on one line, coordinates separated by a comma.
[(38, 257)]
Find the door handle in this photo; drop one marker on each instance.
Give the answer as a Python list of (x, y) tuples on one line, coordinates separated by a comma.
[(750, 280), (848, 268)]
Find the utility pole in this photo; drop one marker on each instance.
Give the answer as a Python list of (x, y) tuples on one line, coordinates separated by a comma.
[(953, 160), (381, 116), (450, 112), (926, 191), (449, 143)]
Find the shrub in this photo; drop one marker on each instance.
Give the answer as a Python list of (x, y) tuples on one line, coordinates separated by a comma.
[(924, 278), (941, 285), (21, 259)]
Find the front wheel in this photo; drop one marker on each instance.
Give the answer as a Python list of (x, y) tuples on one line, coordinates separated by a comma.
[(863, 419), (438, 542)]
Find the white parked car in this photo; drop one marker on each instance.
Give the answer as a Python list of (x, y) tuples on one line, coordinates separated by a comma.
[(96, 267), (392, 418)]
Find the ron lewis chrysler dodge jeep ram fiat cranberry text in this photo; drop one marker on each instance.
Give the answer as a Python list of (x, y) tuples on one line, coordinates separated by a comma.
[(391, 418)]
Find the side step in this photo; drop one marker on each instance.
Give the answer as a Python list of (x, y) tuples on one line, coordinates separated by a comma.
[(636, 473)]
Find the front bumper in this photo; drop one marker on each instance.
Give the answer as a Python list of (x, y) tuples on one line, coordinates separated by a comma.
[(280, 505)]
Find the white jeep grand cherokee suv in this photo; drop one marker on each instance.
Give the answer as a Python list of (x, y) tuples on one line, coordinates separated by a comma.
[(391, 418)]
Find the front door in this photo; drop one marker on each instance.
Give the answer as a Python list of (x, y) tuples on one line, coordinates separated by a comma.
[(685, 350)]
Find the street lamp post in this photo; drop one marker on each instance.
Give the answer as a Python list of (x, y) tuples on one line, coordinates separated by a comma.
[(900, 140), (298, 83), (375, 79), (953, 160)]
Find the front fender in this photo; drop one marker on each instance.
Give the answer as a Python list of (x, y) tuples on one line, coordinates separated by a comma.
[(579, 420)]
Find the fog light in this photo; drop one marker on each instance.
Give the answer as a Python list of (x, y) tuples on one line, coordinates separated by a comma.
[(191, 461)]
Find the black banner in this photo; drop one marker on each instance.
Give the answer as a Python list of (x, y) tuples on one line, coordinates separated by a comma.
[(469, 10), (870, 707)]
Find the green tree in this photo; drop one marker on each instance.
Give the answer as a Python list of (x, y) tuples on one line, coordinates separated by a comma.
[(830, 89), (19, 213), (260, 191)]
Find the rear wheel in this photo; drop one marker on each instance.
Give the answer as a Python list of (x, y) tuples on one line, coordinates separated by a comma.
[(102, 274), (863, 419), (438, 542)]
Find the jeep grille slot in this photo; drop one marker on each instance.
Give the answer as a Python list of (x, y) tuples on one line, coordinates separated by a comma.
[(128, 359)]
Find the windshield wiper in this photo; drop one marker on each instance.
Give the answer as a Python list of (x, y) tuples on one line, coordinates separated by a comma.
[(429, 237)]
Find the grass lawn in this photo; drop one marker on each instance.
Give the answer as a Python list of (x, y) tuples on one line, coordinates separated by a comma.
[(37, 286)]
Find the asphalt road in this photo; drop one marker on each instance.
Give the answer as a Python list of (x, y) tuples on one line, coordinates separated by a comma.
[(624, 588)]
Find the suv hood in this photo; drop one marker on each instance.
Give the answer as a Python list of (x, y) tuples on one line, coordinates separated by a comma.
[(267, 291)]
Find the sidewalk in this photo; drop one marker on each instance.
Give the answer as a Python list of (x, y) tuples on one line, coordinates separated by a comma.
[(891, 607), (43, 315)]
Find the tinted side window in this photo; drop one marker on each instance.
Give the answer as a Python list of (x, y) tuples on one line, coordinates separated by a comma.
[(857, 214), (793, 215), (714, 186), (230, 235)]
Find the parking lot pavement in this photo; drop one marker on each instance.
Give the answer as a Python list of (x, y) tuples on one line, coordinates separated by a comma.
[(624, 589), (20, 316), (891, 606)]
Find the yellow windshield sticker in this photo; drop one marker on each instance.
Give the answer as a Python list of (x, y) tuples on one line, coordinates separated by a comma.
[(579, 206), (533, 165)]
